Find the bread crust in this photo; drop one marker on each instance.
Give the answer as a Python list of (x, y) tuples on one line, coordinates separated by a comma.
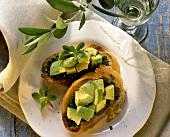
[(113, 62), (101, 72)]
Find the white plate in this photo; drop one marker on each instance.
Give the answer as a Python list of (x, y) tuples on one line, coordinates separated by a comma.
[(136, 71)]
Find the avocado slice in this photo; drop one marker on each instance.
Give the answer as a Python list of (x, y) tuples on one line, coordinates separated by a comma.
[(85, 113), (101, 105), (91, 51), (81, 66), (88, 88), (109, 91), (99, 84), (82, 98), (85, 58), (57, 68), (71, 70), (98, 96), (91, 107), (69, 62), (73, 115), (96, 60)]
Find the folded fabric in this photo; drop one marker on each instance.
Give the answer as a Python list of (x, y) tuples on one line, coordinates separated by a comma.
[(15, 14)]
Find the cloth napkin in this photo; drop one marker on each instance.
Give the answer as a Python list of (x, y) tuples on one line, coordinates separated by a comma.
[(15, 14), (158, 123)]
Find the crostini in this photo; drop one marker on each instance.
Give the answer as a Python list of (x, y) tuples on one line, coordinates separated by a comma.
[(91, 98), (73, 62)]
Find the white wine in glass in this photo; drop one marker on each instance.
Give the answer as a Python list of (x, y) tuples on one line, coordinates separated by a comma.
[(136, 13)]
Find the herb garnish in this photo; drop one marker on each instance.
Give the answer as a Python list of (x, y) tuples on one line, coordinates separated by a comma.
[(110, 127), (39, 36), (43, 97), (71, 51)]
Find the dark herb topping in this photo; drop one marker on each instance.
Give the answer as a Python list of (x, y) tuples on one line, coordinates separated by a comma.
[(105, 61)]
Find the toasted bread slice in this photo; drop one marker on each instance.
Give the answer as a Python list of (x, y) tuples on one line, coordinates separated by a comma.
[(68, 79), (103, 72)]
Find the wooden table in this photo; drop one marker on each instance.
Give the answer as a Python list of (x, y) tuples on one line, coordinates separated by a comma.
[(157, 43)]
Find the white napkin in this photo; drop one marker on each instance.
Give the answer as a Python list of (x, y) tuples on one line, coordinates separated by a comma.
[(15, 14)]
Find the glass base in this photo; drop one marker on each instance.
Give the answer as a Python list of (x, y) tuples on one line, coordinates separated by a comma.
[(139, 33)]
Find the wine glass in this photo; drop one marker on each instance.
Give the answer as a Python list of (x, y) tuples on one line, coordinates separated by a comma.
[(135, 15)]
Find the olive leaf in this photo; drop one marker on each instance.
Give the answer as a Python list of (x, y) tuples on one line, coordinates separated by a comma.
[(82, 22), (44, 38), (106, 12), (30, 48), (63, 5), (107, 4), (59, 33), (33, 31), (88, 1)]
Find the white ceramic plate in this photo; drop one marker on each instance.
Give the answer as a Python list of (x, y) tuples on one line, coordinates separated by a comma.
[(136, 71)]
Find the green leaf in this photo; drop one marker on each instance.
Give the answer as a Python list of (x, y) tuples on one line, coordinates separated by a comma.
[(107, 4), (64, 54), (43, 103), (44, 38), (33, 31), (82, 22), (72, 49), (30, 40), (29, 49), (106, 12), (59, 33), (36, 96), (60, 23), (42, 92), (29, 43), (80, 46), (88, 1), (51, 97), (65, 47), (63, 5)]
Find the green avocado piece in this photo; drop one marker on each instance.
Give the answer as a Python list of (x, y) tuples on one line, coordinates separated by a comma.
[(91, 51), (81, 66), (71, 70), (99, 84), (85, 113), (82, 98), (57, 68), (69, 62), (73, 115), (91, 107), (96, 60), (98, 96), (101, 105), (109, 91), (88, 88), (85, 58)]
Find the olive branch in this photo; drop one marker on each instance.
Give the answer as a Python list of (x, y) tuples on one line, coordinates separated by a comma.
[(39, 36)]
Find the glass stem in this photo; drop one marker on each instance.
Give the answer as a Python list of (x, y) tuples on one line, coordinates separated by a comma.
[(129, 29)]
